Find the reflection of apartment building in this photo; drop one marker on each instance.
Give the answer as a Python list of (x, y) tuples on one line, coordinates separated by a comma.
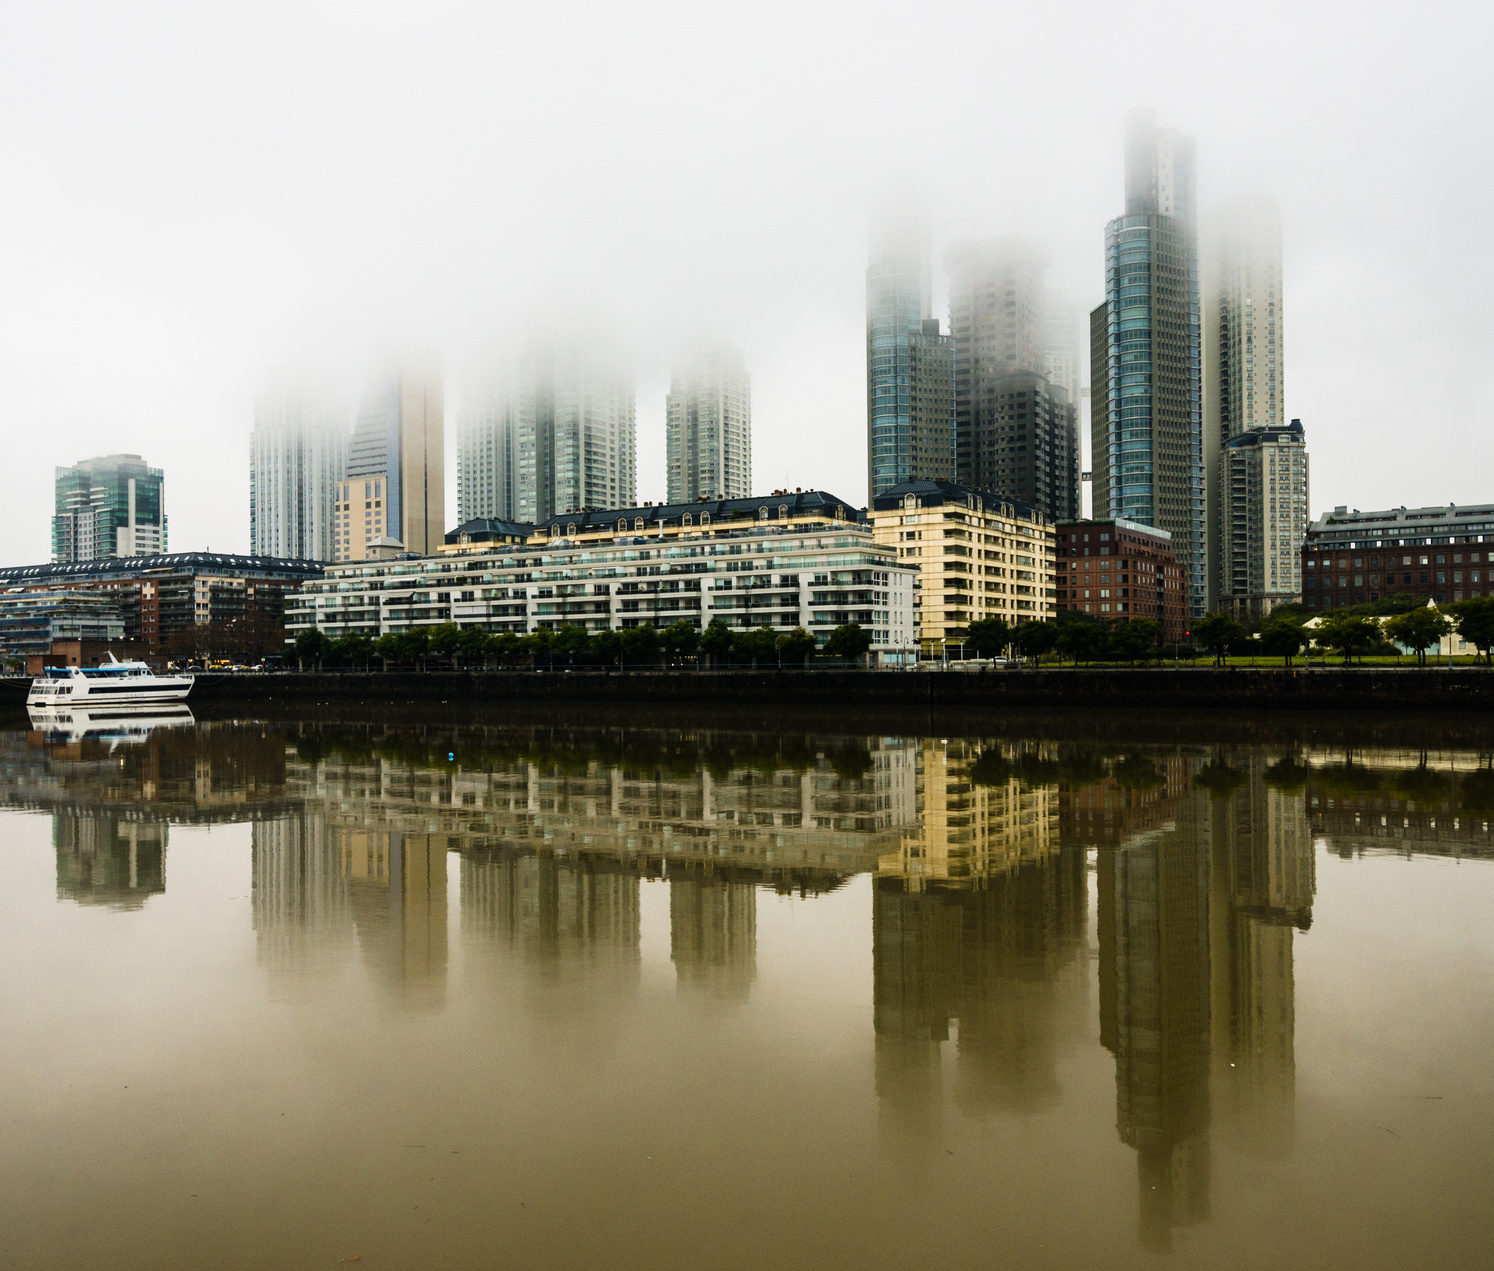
[(103, 859), (966, 829), (713, 935)]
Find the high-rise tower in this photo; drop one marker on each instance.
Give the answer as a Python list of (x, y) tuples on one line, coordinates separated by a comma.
[(111, 506), (909, 368), (298, 452), (1016, 427), (708, 427), (1244, 390), (399, 442), (1146, 406)]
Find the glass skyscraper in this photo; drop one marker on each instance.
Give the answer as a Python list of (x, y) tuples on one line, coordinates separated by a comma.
[(111, 506), (910, 420), (1147, 407)]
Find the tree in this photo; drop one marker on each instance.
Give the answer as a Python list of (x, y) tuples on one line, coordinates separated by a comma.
[(757, 645), (1475, 619), (1282, 636), (1348, 633), (796, 647), (849, 641), (1035, 639), (989, 637), (504, 647), (386, 648), (716, 640), (1134, 639), (473, 643), (1419, 630), (680, 639), (350, 650), (1217, 634), (310, 646), (641, 643), (571, 641), (607, 644), (445, 639), (1080, 638)]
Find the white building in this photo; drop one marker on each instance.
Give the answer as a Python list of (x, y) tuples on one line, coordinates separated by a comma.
[(1243, 365), (708, 427), (1263, 517), (791, 560), (298, 452)]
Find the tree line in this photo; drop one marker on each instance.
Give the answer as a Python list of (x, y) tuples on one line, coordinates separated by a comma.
[(643, 645)]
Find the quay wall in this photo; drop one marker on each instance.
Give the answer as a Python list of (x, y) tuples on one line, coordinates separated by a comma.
[(1460, 690)]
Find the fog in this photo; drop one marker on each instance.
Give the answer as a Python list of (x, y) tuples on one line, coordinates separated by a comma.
[(194, 197)]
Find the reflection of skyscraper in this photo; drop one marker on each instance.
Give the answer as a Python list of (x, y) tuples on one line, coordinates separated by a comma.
[(713, 935), (1154, 1016), (302, 909), (397, 890), (1262, 885), (103, 860)]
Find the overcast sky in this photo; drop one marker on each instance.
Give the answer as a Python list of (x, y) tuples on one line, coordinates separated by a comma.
[(194, 194)]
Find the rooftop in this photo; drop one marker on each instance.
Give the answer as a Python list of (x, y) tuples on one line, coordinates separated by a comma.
[(932, 492), (106, 567)]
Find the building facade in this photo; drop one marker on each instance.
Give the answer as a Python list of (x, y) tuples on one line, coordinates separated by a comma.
[(1017, 430), (111, 506), (556, 434), (298, 452), (32, 620), (1262, 490), (898, 304), (398, 444), (1116, 570), (791, 560), (977, 555), (1243, 364), (159, 596), (1146, 408), (1442, 554), (708, 427)]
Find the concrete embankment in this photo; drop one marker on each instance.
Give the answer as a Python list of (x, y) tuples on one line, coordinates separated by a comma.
[(1461, 690)]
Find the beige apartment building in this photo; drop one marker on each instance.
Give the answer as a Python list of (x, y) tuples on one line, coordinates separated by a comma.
[(978, 556)]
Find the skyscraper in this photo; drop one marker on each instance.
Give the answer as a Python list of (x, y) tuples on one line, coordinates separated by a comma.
[(298, 452), (399, 444), (909, 391), (1244, 380), (1016, 429), (708, 427), (1146, 416), (111, 506), (555, 435), (1262, 491)]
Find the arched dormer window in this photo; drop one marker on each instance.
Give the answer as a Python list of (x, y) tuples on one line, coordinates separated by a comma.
[(685, 520), (555, 530), (570, 530), (783, 511), (705, 518), (910, 501), (637, 522), (622, 525), (840, 512), (762, 513)]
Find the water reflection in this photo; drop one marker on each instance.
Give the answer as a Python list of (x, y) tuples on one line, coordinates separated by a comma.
[(992, 962)]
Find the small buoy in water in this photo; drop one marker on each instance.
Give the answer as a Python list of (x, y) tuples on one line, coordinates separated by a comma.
[(450, 755)]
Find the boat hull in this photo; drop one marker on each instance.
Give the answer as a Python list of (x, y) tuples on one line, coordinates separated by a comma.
[(79, 692)]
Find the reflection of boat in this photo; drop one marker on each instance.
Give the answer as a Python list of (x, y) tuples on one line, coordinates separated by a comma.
[(111, 722), (114, 682)]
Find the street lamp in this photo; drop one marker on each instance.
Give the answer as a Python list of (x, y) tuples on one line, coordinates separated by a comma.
[(943, 654)]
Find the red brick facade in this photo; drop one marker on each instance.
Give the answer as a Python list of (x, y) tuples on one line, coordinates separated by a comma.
[(1118, 571)]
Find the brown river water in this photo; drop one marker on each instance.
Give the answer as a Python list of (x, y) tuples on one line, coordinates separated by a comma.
[(632, 994)]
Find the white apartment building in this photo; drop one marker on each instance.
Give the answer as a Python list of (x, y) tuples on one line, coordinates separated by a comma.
[(1263, 519), (708, 427), (790, 560)]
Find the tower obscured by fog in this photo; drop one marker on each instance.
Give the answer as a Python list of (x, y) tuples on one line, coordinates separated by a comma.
[(910, 419), (400, 437), (111, 506), (1146, 417), (556, 434), (1016, 425), (708, 427), (298, 452), (1255, 485)]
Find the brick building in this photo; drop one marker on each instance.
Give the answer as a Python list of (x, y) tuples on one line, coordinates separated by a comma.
[(1117, 570), (1442, 554)]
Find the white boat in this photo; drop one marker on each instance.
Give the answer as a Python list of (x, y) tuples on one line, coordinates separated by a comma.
[(113, 683)]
